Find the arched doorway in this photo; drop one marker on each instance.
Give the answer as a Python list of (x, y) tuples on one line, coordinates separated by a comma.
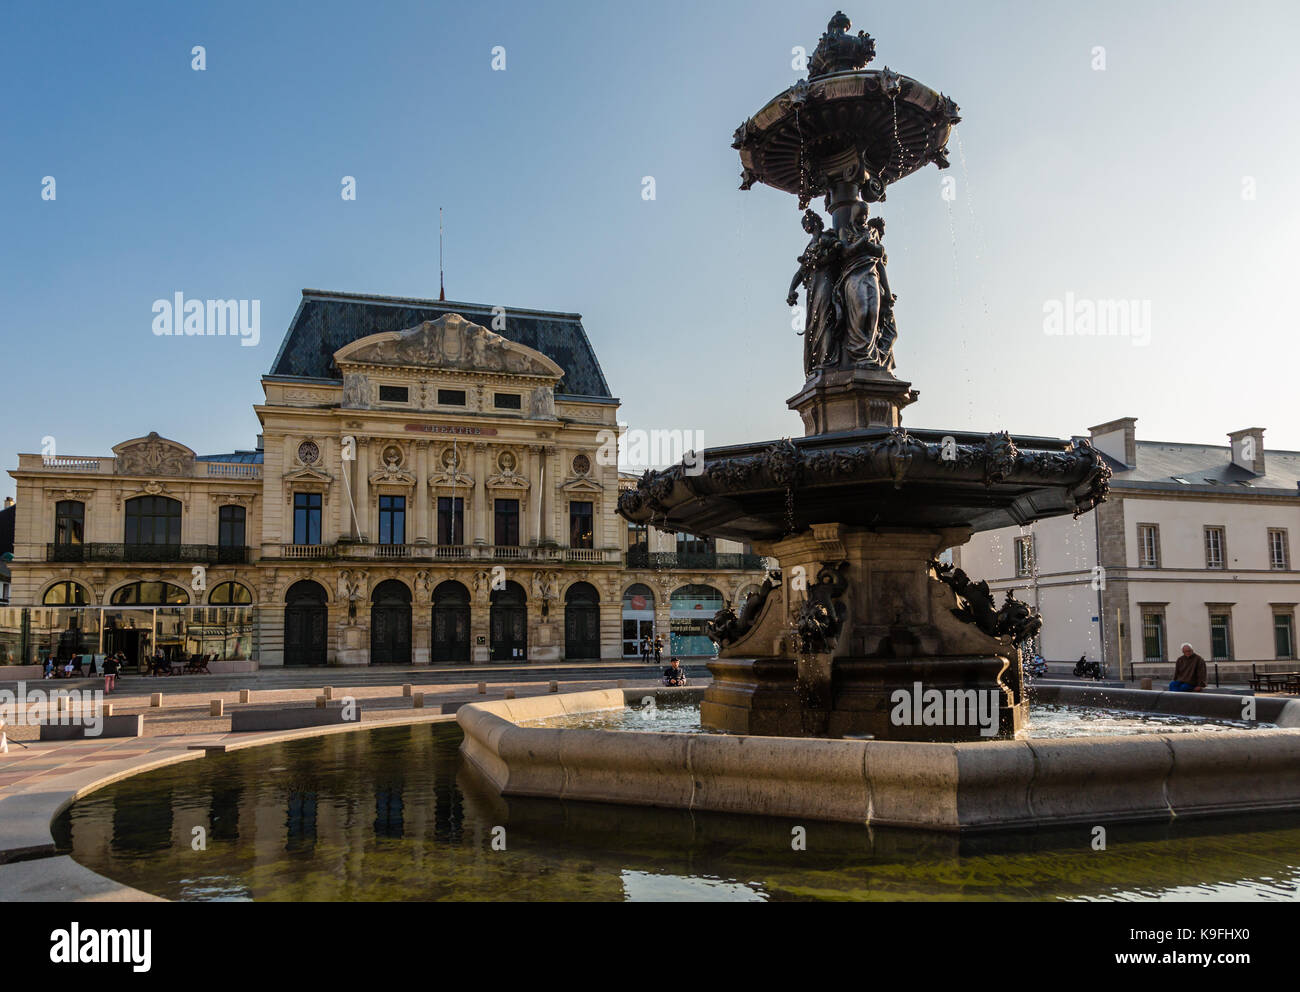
[(450, 622), (691, 607), (305, 622), (390, 624), (508, 623), (638, 618), (581, 621)]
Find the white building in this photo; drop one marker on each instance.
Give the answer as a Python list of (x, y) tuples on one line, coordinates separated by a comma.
[(1194, 544)]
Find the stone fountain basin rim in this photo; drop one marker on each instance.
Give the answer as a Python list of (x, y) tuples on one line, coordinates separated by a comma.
[(984, 482), (961, 787)]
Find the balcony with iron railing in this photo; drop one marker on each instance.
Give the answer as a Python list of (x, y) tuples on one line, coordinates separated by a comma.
[(661, 560), (448, 552), (98, 551)]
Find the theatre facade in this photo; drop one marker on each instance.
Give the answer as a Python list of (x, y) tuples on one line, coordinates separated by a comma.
[(424, 490)]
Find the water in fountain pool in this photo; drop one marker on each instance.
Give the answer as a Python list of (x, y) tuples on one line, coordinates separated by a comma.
[(1046, 722), (396, 814)]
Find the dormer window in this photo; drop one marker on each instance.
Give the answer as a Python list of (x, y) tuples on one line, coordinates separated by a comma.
[(394, 394)]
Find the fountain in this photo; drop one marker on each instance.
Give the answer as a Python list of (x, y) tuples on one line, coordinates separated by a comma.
[(868, 681), (863, 632)]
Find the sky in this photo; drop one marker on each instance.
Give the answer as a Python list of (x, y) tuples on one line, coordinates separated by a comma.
[(1113, 151)]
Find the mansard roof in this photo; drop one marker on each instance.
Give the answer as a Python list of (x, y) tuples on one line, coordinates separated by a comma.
[(326, 322)]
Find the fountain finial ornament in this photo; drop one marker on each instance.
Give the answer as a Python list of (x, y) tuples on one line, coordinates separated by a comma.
[(839, 51)]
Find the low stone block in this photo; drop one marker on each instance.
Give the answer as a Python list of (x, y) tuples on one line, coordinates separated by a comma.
[(555, 687), (322, 702), (155, 699), (216, 707), (126, 725), (328, 692), (482, 688), (406, 691), (417, 701), (245, 696), (510, 694), (298, 718)]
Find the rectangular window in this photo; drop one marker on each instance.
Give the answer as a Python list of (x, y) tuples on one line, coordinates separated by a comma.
[(1278, 553), (306, 518), (638, 537), (1024, 556), (451, 397), (1148, 545), (230, 527), (1284, 636), (582, 533), (451, 520), (1213, 547), (69, 522), (392, 519), (1220, 637), (1153, 636), (506, 529), (394, 394), (689, 544), (507, 401)]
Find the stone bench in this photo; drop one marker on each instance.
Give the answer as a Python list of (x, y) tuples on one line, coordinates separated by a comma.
[(126, 725), (295, 718)]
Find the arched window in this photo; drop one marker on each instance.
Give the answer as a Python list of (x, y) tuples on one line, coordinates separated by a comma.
[(150, 594), (230, 594), (153, 520), (65, 594)]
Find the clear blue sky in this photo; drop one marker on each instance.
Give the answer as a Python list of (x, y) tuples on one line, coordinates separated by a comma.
[(1123, 183)]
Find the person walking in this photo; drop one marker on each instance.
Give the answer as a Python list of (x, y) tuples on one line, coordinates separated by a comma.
[(110, 673), (645, 649), (1189, 672)]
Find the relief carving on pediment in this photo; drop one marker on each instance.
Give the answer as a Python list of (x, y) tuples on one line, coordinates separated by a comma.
[(153, 455), (449, 342)]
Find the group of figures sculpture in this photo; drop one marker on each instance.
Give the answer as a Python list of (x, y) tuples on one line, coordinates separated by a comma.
[(849, 309)]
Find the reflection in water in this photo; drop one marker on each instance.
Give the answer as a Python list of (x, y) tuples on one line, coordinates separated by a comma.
[(394, 814)]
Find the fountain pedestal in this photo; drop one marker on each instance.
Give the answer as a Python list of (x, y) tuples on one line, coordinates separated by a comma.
[(851, 399), (902, 667)]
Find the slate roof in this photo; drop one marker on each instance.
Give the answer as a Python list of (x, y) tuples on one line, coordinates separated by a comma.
[(1208, 467), (326, 321), (238, 457)]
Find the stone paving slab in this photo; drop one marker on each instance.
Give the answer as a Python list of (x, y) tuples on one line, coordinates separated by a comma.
[(60, 879)]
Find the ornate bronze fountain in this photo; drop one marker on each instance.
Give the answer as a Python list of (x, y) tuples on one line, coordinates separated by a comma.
[(858, 509)]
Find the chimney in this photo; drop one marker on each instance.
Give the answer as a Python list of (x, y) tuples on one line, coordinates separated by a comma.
[(1248, 449), (260, 443), (9, 501), (1117, 439)]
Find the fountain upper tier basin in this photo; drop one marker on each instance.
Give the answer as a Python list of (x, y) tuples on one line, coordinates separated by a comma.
[(875, 478), (827, 128)]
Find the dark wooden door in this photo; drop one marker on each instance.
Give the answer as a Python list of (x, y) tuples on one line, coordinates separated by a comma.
[(304, 634)]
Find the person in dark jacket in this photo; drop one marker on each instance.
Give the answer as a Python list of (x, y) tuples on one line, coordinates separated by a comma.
[(674, 674), (1189, 672)]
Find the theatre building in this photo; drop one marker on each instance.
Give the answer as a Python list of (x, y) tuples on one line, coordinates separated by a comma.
[(424, 490)]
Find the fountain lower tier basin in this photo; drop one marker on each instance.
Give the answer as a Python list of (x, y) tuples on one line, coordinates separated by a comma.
[(871, 477), (913, 699), (957, 787)]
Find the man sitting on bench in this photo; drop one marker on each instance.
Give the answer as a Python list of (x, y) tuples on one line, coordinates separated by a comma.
[(674, 674), (1189, 672)]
